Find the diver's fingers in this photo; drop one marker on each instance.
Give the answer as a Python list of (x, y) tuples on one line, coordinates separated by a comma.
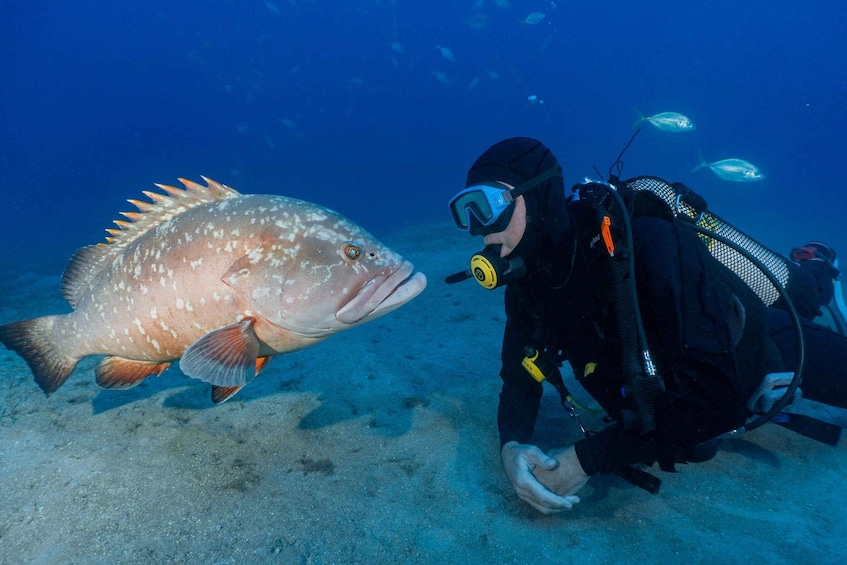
[(548, 502), (535, 457)]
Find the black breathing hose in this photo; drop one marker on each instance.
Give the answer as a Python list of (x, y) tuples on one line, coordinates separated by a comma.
[(644, 384)]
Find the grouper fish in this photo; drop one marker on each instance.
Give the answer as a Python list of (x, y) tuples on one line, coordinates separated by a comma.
[(219, 280)]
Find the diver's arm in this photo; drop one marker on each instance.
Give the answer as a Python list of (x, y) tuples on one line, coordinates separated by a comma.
[(613, 449), (520, 394), (517, 410), (520, 397), (685, 418)]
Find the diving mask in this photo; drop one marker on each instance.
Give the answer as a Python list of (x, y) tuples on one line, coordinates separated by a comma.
[(480, 208), (485, 202)]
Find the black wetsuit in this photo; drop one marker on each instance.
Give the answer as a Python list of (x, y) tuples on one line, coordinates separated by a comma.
[(825, 366), (686, 300)]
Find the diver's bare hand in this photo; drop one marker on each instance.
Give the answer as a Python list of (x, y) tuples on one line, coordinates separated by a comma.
[(522, 463), (566, 478)]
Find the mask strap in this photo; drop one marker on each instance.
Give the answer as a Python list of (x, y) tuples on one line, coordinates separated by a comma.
[(532, 183)]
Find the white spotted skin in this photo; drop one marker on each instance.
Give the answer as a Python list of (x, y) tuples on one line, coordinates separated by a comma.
[(277, 260)]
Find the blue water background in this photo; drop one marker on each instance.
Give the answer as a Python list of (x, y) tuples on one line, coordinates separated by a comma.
[(98, 100)]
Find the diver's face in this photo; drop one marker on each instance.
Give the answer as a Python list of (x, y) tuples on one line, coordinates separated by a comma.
[(510, 237)]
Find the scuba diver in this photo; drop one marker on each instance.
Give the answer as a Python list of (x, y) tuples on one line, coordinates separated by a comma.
[(675, 330)]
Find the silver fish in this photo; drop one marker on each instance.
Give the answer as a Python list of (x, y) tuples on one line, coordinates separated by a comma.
[(219, 280), (734, 170), (533, 18), (441, 77), (272, 8), (667, 121), (446, 53), (478, 21)]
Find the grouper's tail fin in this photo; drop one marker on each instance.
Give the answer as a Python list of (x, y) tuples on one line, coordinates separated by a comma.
[(33, 340)]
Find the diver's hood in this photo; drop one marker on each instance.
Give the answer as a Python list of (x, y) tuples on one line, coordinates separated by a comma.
[(547, 244)]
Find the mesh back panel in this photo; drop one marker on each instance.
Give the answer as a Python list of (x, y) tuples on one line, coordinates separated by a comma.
[(735, 261)]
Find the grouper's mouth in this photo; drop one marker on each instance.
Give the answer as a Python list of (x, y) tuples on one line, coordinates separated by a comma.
[(382, 295)]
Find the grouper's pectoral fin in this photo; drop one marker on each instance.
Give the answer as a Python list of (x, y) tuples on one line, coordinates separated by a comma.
[(224, 393), (224, 357), (119, 373)]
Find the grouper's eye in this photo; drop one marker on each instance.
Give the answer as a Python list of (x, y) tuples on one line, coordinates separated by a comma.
[(351, 252)]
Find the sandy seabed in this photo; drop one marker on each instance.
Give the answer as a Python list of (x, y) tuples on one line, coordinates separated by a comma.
[(376, 446)]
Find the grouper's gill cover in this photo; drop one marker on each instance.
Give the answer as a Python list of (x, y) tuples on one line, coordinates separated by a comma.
[(222, 281), (314, 264)]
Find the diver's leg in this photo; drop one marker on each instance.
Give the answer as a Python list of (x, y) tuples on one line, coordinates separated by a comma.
[(825, 366)]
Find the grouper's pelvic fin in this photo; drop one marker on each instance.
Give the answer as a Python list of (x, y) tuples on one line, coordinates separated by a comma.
[(224, 393), (118, 373), (33, 340)]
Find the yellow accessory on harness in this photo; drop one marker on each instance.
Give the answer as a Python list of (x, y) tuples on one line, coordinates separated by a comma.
[(528, 363)]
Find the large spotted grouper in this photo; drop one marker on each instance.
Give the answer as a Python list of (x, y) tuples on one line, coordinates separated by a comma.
[(219, 280)]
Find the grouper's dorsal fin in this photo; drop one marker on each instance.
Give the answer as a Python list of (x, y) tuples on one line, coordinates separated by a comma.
[(82, 268), (87, 262), (164, 207)]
